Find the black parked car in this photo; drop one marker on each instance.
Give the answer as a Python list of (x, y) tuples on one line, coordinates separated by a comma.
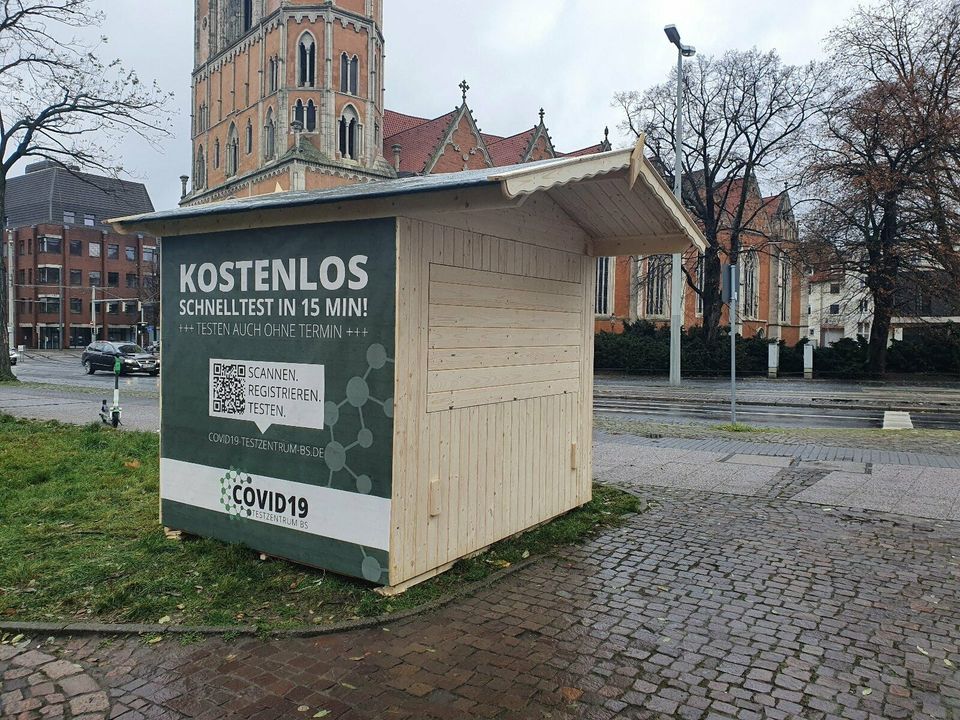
[(133, 358)]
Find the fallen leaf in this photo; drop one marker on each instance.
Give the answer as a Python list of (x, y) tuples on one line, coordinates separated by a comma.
[(922, 651), (358, 658), (16, 638), (303, 708), (322, 714), (947, 663), (231, 657), (165, 619), (571, 695), (348, 686), (132, 464), (526, 554), (155, 639)]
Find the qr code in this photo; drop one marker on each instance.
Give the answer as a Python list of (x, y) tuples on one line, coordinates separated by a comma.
[(228, 395)]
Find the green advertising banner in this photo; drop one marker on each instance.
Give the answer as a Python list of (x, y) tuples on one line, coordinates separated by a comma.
[(277, 391)]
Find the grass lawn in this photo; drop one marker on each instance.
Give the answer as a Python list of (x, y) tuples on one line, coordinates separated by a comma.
[(80, 541)]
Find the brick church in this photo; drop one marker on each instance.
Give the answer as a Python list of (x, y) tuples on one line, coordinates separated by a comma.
[(288, 95)]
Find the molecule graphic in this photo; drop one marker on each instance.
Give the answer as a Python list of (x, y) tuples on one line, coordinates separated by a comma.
[(358, 396)]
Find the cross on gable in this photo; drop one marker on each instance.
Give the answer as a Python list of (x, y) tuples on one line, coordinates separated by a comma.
[(464, 87)]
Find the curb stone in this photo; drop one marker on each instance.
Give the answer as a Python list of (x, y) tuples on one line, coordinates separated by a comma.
[(252, 630)]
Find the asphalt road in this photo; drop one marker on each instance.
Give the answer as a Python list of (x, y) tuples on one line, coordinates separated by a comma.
[(70, 395), (65, 369)]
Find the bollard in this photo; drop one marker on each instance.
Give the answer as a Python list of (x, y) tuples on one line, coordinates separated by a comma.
[(808, 362), (773, 360)]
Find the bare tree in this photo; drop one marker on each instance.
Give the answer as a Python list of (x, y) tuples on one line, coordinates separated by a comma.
[(743, 114), (59, 102), (882, 161)]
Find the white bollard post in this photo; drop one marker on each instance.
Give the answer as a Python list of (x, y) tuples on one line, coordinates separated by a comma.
[(808, 362), (773, 360)]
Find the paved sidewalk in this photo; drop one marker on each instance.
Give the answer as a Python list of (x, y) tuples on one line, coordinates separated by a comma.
[(711, 605)]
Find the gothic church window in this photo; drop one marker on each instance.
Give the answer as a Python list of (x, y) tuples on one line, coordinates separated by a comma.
[(274, 72), (311, 117), (249, 137), (751, 294), (786, 287), (233, 150), (200, 173), (658, 274), (354, 75), (350, 134), (216, 153), (247, 15), (344, 73), (307, 61), (269, 137), (298, 113)]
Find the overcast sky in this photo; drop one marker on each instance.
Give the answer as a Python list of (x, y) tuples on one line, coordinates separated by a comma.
[(568, 56)]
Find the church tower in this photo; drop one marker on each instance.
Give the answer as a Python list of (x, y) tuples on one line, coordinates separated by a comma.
[(287, 95)]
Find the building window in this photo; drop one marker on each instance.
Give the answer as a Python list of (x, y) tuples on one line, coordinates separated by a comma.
[(94, 279), (344, 73), (246, 20), (311, 117), (76, 306), (149, 254), (657, 285), (834, 288), (94, 249), (273, 68), (76, 278), (751, 287), (76, 248), (131, 253), (601, 305), (835, 309), (48, 275), (89, 220), (307, 61), (132, 281), (50, 245), (349, 134), (48, 304), (199, 176), (216, 153), (864, 305), (233, 150), (113, 279), (69, 218), (355, 76), (249, 143), (113, 252), (298, 114), (270, 137), (786, 289)]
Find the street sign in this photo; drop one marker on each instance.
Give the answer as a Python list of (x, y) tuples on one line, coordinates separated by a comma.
[(730, 284), (277, 422)]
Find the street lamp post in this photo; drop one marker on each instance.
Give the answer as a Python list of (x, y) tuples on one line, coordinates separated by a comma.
[(676, 275)]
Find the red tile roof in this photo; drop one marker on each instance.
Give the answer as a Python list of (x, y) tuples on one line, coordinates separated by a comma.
[(511, 150), (418, 142), (592, 150), (394, 122)]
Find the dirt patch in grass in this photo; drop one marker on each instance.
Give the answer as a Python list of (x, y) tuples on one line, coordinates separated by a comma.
[(80, 542)]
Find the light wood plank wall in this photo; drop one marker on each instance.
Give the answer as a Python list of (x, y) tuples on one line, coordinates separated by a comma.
[(493, 390)]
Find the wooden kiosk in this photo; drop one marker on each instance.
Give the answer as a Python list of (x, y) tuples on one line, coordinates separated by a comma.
[(382, 379)]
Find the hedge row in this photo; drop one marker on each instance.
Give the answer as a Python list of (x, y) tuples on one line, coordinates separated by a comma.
[(644, 348)]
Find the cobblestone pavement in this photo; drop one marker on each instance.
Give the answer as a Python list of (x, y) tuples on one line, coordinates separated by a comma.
[(710, 605)]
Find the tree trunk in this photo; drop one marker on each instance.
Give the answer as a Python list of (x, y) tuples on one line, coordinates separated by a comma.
[(6, 374), (879, 333), (712, 300)]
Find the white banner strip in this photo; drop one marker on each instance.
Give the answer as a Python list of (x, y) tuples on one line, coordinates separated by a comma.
[(337, 514)]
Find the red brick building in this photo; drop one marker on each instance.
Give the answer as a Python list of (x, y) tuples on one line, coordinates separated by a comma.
[(773, 294), (288, 95), (74, 280)]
